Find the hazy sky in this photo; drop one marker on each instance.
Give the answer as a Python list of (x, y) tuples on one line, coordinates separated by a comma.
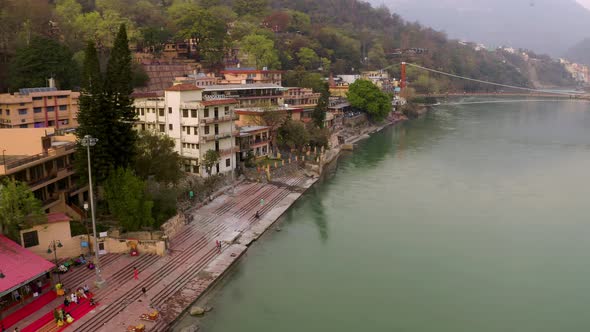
[(585, 3)]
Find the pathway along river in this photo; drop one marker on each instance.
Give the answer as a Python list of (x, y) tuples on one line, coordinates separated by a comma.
[(474, 218)]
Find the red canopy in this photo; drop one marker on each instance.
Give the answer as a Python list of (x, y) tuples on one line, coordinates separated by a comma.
[(19, 265)]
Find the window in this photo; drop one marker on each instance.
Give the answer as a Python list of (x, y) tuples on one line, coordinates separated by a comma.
[(226, 110), (162, 128), (62, 96), (206, 113), (143, 126), (63, 107), (22, 111), (161, 112), (24, 126), (227, 162), (193, 113), (30, 239), (196, 130), (37, 98), (185, 113), (169, 110), (37, 110), (142, 111), (49, 97), (170, 126), (206, 130), (50, 108), (188, 130)]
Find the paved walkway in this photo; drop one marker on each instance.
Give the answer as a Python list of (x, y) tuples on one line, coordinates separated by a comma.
[(193, 263)]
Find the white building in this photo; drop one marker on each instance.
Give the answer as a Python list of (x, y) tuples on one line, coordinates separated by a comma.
[(196, 125)]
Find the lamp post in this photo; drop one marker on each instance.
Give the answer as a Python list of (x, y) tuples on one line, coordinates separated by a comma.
[(55, 244), (89, 141)]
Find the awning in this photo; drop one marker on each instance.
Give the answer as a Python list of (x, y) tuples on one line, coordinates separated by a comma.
[(19, 266)]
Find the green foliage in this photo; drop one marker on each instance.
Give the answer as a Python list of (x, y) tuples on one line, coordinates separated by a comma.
[(423, 100), (308, 58), (18, 206), (261, 51), (367, 97), (292, 134), (139, 76), (156, 158), (42, 59), (250, 7), (319, 112), (164, 198), (209, 160), (106, 111), (126, 197), (304, 79), (318, 136)]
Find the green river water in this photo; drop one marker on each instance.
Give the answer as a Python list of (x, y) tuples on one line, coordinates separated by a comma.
[(473, 218)]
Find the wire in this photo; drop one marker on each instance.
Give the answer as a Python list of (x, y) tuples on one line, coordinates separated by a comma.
[(486, 82)]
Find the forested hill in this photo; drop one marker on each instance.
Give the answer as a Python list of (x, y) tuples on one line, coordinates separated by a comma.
[(307, 38)]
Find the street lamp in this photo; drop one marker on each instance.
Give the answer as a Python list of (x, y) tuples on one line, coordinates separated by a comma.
[(89, 141), (55, 244)]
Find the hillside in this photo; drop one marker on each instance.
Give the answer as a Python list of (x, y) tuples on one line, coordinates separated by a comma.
[(307, 38), (580, 52), (545, 26)]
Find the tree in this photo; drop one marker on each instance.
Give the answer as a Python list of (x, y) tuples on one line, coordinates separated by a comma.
[(304, 79), (118, 89), (18, 206), (319, 112), (251, 7), (377, 59), (42, 59), (366, 96), (156, 158), (126, 197), (261, 51), (308, 58), (293, 134), (95, 118), (210, 159)]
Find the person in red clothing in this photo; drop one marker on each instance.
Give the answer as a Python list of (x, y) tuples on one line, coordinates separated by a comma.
[(135, 273)]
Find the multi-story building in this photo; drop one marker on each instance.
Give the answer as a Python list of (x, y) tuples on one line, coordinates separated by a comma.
[(198, 79), (255, 140), (196, 125), (44, 161), (39, 108), (301, 97), (250, 75), (247, 95)]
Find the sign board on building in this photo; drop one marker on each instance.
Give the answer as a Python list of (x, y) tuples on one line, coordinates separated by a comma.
[(102, 234)]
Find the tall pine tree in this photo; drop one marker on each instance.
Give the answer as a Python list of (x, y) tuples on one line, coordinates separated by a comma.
[(94, 119), (118, 89), (106, 111)]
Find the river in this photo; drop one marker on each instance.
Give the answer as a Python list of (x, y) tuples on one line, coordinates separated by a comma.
[(473, 218)]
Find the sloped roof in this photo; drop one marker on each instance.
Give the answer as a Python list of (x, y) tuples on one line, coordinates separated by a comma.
[(57, 217), (19, 265)]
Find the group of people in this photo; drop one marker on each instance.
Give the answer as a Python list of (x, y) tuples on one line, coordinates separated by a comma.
[(71, 296)]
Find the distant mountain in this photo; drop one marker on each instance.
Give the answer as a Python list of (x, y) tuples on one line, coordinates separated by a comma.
[(580, 52), (544, 26)]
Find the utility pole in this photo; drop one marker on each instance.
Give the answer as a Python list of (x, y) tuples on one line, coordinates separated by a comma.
[(89, 141)]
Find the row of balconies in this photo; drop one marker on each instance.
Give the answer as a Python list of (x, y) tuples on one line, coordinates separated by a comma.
[(218, 119)]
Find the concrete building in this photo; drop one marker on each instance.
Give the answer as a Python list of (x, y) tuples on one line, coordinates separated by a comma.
[(39, 108), (196, 124), (255, 140), (250, 75), (254, 116), (247, 95), (300, 97), (44, 161)]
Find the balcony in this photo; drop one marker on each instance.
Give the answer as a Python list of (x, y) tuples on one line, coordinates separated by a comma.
[(219, 119), (259, 142), (212, 137)]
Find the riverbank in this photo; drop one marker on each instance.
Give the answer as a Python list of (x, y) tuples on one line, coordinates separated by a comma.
[(197, 292)]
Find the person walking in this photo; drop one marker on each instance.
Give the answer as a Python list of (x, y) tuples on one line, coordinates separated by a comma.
[(135, 273)]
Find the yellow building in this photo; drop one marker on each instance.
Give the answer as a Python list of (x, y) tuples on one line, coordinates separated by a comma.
[(44, 161), (39, 108)]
